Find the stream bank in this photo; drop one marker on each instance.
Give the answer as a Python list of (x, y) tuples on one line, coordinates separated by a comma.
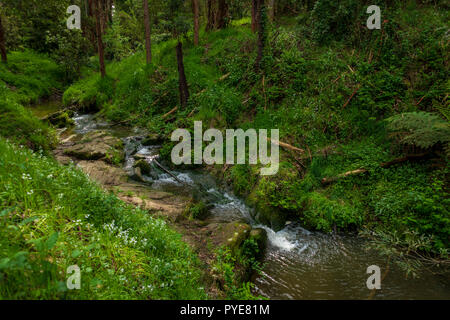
[(298, 264)]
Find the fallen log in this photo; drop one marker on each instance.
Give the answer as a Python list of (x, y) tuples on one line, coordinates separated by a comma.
[(286, 146), (351, 97), (170, 112), (326, 181), (167, 171)]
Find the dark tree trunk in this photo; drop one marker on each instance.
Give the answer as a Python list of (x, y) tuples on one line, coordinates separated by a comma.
[(254, 15), (210, 15), (148, 41), (101, 54), (2, 43), (183, 86), (222, 12), (196, 21), (262, 17)]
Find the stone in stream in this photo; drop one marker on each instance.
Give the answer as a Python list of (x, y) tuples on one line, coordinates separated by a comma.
[(153, 139), (232, 234), (259, 235), (103, 173), (98, 145), (144, 166)]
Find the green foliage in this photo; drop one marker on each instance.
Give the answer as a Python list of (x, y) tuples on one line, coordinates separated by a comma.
[(333, 19), (25, 79), (198, 210), (29, 76), (53, 217), (324, 214), (421, 129), (224, 267)]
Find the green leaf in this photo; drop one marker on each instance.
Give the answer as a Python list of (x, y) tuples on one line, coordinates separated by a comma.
[(50, 243), (76, 253), (28, 220)]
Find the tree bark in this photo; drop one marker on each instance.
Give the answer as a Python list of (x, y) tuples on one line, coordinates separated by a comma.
[(261, 14), (221, 17), (183, 86), (254, 15), (2, 43), (210, 15), (148, 41), (196, 22), (272, 10), (101, 53)]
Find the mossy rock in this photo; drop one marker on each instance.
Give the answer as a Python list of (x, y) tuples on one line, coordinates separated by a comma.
[(144, 166), (235, 233), (197, 210), (137, 175), (98, 145), (153, 139), (259, 235), (61, 120)]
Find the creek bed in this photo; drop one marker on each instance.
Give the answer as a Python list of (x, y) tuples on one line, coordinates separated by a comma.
[(298, 264)]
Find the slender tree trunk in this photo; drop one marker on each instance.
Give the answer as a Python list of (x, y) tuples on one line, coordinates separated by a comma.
[(196, 21), (254, 15), (101, 53), (148, 40), (262, 17), (272, 10), (210, 15), (183, 86), (2, 43), (222, 12)]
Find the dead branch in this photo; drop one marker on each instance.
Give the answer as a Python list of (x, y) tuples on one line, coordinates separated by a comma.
[(384, 165)]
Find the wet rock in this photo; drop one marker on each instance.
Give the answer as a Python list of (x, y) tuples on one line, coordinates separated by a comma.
[(234, 234), (98, 145), (61, 119), (139, 156), (144, 166), (103, 173), (259, 235), (153, 139), (137, 175)]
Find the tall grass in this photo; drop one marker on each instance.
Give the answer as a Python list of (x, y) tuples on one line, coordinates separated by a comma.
[(52, 217)]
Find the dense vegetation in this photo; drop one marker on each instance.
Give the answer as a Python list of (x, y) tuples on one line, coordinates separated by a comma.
[(304, 90), (368, 107)]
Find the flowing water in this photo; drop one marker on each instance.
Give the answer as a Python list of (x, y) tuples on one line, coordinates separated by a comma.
[(298, 264)]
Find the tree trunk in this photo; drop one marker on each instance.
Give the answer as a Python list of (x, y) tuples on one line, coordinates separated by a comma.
[(148, 41), (101, 54), (183, 86), (196, 21), (2, 43), (272, 10), (222, 12), (262, 17), (254, 15), (210, 15)]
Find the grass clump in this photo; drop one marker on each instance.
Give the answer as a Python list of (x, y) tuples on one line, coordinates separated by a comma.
[(53, 217)]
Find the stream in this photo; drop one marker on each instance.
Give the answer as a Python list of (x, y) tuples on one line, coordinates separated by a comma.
[(298, 264)]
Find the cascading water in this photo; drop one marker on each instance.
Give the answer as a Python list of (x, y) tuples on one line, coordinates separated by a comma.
[(298, 264)]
